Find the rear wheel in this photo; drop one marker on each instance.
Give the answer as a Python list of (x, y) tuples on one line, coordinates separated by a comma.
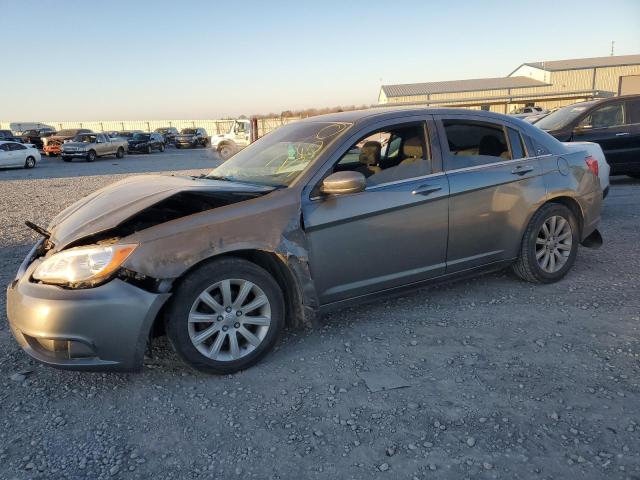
[(30, 162), (162, 147), (549, 246), (149, 149), (634, 175), (120, 153), (225, 316), (66, 159)]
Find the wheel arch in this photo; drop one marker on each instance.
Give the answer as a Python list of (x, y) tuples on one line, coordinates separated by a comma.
[(573, 205), (272, 263)]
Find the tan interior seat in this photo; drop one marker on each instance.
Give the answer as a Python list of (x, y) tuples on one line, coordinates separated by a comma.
[(412, 151), (369, 158)]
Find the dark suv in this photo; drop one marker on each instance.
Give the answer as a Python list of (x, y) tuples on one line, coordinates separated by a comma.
[(168, 133), (36, 135), (146, 142), (8, 136), (613, 123), (193, 137)]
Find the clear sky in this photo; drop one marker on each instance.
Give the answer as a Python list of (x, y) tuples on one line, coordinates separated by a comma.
[(118, 59)]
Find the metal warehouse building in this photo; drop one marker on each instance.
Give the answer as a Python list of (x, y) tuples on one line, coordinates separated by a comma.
[(546, 84)]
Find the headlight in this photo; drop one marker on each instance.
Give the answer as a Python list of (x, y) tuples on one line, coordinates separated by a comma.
[(83, 266)]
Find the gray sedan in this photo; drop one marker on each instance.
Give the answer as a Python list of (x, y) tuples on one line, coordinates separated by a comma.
[(319, 214)]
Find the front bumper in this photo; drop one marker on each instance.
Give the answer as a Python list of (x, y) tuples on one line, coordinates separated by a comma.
[(52, 149), (76, 154), (101, 328), (137, 147)]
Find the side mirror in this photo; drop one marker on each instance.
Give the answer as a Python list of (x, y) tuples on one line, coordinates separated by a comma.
[(343, 182)]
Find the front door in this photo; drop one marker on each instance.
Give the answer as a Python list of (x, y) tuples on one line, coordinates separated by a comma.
[(493, 185), (394, 232), (606, 126)]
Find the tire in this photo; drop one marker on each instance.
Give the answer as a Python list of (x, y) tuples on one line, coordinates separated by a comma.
[(225, 151), (91, 156), (66, 159), (162, 147), (226, 324), (120, 152), (634, 175), (30, 162), (178, 146), (149, 150), (537, 247)]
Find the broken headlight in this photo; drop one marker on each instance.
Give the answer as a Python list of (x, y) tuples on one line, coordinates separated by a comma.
[(83, 266)]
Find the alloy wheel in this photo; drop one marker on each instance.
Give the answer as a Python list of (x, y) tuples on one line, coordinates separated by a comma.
[(229, 319), (554, 243)]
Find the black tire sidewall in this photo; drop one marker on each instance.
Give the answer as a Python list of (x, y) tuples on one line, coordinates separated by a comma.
[(91, 156), (33, 162), (550, 211), (194, 284)]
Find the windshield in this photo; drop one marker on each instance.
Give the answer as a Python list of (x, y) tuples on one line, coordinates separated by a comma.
[(141, 136), (85, 138), (125, 134), (562, 117), (279, 157), (189, 131)]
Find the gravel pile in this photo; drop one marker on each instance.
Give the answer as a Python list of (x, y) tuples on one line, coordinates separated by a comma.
[(506, 380)]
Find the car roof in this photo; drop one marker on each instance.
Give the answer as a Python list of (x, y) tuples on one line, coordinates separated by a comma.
[(382, 113)]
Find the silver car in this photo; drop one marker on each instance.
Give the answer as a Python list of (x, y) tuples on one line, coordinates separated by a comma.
[(319, 214)]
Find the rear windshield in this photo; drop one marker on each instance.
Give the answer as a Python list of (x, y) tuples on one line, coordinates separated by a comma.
[(68, 133), (85, 138), (189, 131), (141, 136)]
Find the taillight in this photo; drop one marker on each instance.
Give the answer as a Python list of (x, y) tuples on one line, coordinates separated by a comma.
[(592, 164)]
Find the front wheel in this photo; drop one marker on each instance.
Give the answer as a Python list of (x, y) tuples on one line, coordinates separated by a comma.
[(30, 162), (120, 153), (225, 151), (162, 147), (549, 246), (225, 316), (91, 156), (149, 149), (66, 159)]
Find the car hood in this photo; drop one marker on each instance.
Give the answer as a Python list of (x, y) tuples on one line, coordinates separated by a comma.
[(113, 205)]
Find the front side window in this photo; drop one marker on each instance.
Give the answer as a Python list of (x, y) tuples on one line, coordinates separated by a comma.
[(604, 117), (474, 143), (278, 158), (389, 155)]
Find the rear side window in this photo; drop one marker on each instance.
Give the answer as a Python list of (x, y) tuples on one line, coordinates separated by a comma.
[(515, 142), (474, 143), (633, 111)]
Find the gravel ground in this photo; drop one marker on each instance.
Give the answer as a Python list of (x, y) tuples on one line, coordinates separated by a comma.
[(505, 379)]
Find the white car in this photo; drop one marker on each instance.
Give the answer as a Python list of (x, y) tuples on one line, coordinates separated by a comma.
[(594, 151), (525, 112), (14, 154)]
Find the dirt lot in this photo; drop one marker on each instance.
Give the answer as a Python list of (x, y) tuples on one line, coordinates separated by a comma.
[(505, 379)]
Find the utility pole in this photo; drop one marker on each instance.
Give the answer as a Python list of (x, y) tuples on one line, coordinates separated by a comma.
[(613, 42)]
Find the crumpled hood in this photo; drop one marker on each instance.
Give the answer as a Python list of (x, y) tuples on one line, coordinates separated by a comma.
[(110, 206)]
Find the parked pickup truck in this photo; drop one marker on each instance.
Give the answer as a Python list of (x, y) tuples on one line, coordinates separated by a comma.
[(52, 146), (238, 137), (92, 145)]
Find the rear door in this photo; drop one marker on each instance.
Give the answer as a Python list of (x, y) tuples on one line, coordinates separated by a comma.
[(494, 184), (18, 154), (632, 156), (394, 232)]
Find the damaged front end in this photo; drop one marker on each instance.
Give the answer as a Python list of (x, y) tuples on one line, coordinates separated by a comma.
[(157, 228)]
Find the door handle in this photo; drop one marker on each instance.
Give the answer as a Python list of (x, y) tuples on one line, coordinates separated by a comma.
[(426, 190), (522, 169), (622, 134)]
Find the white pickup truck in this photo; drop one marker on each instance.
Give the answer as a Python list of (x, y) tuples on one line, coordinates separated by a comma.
[(238, 137), (93, 145)]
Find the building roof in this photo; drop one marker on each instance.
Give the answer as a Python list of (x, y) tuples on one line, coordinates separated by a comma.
[(412, 89), (577, 63)]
